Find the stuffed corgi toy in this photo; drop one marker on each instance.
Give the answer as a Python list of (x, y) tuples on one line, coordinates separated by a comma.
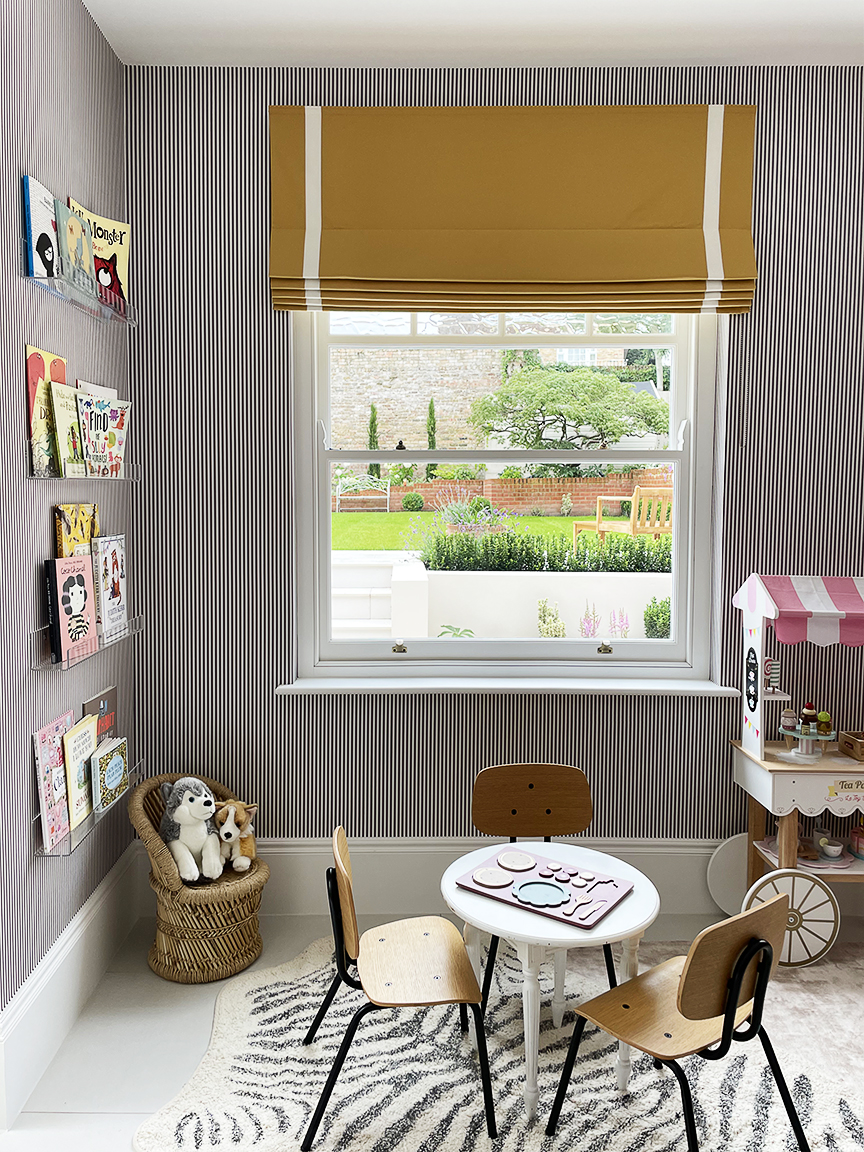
[(233, 821)]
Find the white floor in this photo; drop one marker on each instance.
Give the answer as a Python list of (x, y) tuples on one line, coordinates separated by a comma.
[(140, 1038)]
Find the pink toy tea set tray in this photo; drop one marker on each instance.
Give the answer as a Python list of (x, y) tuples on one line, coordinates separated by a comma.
[(577, 896)]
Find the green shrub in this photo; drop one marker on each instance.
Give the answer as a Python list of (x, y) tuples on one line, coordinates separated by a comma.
[(626, 507), (479, 503), (412, 502), (510, 551), (535, 511), (455, 472), (658, 618), (401, 473), (511, 472)]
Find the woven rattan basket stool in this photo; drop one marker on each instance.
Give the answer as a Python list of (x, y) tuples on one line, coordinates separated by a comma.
[(204, 931)]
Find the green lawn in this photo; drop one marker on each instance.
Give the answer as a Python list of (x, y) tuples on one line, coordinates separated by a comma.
[(373, 530)]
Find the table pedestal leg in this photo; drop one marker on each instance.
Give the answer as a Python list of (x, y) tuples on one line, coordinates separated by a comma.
[(531, 957), (629, 968), (558, 1001), (787, 840), (471, 935), (755, 831)]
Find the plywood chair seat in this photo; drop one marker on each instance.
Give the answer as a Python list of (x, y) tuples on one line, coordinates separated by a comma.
[(416, 963), (644, 1013)]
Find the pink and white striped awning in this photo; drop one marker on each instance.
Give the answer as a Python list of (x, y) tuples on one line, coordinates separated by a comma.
[(822, 609)]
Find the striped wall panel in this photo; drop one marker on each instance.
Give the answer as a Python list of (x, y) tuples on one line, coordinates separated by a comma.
[(64, 123), (214, 357)]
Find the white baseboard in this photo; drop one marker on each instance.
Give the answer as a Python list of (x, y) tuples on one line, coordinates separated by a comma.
[(39, 1016)]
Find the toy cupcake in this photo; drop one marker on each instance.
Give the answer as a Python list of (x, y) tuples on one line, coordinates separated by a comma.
[(789, 722), (823, 723)]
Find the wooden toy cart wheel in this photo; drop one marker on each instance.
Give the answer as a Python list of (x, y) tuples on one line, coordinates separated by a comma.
[(814, 915)]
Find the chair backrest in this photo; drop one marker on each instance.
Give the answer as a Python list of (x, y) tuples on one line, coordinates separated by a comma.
[(146, 808), (531, 800), (705, 977), (342, 860), (651, 510)]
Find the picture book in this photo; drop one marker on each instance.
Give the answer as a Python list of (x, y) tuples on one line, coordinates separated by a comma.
[(97, 389), (75, 247), (109, 772), (71, 608), (104, 430), (67, 431), (51, 779), (109, 581), (75, 526), (104, 708), (79, 744), (110, 255), (43, 368), (40, 229)]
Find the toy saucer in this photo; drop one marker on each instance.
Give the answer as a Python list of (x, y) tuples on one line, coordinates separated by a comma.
[(516, 861)]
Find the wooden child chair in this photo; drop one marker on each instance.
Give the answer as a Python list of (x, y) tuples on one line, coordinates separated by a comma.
[(414, 963), (536, 801), (687, 1004)]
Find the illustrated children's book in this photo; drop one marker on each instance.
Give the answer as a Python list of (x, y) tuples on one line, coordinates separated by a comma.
[(67, 431), (109, 580), (79, 744), (42, 369), (75, 526), (110, 255), (51, 779), (104, 429), (104, 708), (75, 248), (71, 608), (41, 229), (109, 772)]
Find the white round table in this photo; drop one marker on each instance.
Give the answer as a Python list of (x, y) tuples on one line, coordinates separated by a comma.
[(533, 935)]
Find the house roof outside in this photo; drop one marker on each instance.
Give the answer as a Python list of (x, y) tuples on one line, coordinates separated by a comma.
[(483, 33)]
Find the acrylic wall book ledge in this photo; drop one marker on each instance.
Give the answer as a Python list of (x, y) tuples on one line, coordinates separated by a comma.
[(77, 288), (131, 473), (40, 647), (81, 831)]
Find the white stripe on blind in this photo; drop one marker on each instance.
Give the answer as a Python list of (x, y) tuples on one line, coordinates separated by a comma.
[(711, 203), (312, 244)]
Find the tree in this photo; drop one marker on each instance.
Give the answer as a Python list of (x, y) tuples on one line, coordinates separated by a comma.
[(431, 429), (563, 406), (372, 440)]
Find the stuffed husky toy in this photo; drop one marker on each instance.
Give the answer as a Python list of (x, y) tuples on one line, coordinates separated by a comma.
[(234, 827), (188, 829)]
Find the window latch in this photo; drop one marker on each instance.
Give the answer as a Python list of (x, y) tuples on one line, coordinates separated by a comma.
[(605, 648), (399, 646)]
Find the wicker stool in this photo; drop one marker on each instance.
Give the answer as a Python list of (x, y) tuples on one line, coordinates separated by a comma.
[(204, 931)]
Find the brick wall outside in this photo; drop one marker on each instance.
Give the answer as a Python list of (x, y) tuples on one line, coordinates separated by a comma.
[(521, 496)]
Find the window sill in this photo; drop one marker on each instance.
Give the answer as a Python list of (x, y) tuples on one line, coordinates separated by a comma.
[(528, 684)]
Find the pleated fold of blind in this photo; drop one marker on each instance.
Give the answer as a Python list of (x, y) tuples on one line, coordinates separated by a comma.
[(613, 208)]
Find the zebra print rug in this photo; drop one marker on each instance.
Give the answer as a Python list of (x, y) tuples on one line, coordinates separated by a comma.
[(411, 1081)]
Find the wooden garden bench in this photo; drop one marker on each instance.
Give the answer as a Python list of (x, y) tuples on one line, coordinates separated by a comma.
[(368, 489), (650, 515)]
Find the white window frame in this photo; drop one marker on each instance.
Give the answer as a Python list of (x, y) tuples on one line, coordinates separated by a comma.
[(432, 662)]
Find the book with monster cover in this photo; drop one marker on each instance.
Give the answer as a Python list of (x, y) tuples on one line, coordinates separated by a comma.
[(110, 240), (67, 429), (104, 430), (43, 369)]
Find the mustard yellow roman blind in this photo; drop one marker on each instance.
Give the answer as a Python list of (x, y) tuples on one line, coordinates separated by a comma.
[(623, 208)]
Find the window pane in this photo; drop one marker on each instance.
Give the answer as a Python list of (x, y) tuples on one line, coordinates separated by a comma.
[(501, 554), (457, 323), (370, 323), (633, 322), (544, 323), (492, 397)]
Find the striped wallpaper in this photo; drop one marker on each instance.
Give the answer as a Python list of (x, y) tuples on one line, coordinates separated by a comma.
[(66, 127), (214, 357)]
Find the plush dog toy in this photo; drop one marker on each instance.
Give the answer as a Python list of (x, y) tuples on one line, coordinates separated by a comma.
[(234, 827), (187, 828)]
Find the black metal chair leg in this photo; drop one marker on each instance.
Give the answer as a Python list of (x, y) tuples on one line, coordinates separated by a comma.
[(463, 1018), (487, 973), (785, 1094), (486, 1079), (566, 1073), (687, 1101), (334, 1073), (322, 1011), (610, 965), (658, 1063)]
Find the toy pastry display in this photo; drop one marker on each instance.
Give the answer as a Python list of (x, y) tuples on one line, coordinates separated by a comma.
[(577, 896)]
